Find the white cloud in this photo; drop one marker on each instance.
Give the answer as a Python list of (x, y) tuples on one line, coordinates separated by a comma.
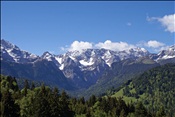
[(128, 24), (116, 46), (80, 45), (151, 45), (168, 21), (63, 48), (154, 44)]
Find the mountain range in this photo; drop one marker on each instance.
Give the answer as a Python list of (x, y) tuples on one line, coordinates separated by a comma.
[(87, 70)]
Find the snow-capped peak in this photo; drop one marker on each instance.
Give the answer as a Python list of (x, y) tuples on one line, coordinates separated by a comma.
[(11, 52), (89, 57), (166, 54), (7, 45), (47, 55), (171, 48)]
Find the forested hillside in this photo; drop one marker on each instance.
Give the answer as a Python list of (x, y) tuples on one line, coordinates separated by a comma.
[(155, 88), (43, 101)]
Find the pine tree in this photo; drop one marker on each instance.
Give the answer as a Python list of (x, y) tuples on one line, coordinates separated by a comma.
[(26, 84), (122, 113), (160, 112), (64, 104), (8, 106), (33, 86), (140, 110), (82, 100), (55, 104), (42, 106), (92, 100), (26, 87)]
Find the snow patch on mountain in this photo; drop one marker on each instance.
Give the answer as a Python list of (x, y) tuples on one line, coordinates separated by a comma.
[(87, 63), (59, 59), (167, 57), (73, 58), (61, 67)]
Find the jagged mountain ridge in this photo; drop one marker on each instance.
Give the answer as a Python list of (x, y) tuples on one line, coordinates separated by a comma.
[(84, 58), (81, 68), (12, 53), (164, 54)]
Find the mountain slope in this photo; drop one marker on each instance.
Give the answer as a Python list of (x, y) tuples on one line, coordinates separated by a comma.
[(119, 73), (38, 71), (155, 87)]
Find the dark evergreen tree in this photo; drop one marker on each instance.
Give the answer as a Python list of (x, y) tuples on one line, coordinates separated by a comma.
[(42, 106), (140, 110), (55, 104), (26, 84), (33, 86), (8, 106), (161, 112), (82, 100), (92, 100), (123, 113), (64, 102)]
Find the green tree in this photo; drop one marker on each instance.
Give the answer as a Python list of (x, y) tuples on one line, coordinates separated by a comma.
[(55, 104), (92, 100), (140, 110), (161, 112), (123, 113), (8, 106), (26, 84), (33, 86), (64, 104), (42, 105)]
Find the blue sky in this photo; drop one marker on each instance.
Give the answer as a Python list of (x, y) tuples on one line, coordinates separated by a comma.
[(60, 26)]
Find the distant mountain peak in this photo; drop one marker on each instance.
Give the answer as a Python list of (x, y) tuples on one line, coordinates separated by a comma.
[(11, 52), (172, 48), (8, 45), (166, 54)]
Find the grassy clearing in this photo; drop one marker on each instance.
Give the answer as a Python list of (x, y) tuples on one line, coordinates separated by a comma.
[(125, 98)]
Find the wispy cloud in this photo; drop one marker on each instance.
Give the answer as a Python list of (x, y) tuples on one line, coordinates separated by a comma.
[(154, 44), (128, 24), (168, 21)]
